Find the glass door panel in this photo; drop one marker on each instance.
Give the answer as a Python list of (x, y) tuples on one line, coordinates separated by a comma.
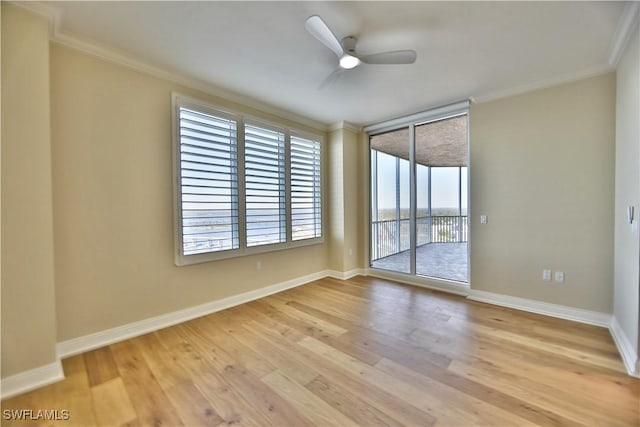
[(390, 201), (441, 155)]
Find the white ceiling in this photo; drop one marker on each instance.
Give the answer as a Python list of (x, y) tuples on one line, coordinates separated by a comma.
[(261, 49)]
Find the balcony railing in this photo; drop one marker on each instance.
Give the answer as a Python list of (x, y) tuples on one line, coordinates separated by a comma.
[(390, 237)]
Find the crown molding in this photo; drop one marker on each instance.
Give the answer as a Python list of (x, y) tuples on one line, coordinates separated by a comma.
[(626, 25), (45, 10), (346, 126), (542, 84), (54, 16)]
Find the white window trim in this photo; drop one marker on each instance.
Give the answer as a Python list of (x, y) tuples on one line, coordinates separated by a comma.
[(178, 100), (439, 113)]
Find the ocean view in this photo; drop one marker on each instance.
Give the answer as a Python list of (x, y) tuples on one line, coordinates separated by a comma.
[(216, 230)]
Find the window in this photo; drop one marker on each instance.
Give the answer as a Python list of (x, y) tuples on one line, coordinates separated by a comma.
[(208, 182), (264, 180), (306, 197), (242, 186)]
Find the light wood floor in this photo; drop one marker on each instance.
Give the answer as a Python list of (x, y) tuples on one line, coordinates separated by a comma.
[(359, 352)]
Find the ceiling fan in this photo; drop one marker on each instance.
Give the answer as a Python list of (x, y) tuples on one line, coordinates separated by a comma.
[(346, 49)]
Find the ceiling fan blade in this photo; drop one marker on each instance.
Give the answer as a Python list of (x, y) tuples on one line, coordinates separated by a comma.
[(335, 75), (318, 29), (395, 57)]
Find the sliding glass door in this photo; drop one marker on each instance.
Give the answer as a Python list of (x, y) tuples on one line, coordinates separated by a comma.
[(419, 198)]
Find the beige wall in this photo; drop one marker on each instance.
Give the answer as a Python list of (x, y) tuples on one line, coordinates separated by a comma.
[(344, 222), (351, 201), (542, 167), (113, 204), (28, 311), (336, 200), (363, 208), (627, 193)]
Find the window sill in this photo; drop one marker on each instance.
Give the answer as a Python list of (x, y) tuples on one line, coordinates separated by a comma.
[(184, 260)]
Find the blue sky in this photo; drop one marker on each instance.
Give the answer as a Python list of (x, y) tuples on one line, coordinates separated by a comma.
[(444, 188)]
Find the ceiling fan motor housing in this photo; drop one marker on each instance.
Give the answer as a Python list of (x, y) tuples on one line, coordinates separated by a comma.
[(349, 44)]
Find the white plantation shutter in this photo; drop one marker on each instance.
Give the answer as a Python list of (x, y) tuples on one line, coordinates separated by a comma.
[(306, 189), (265, 188), (208, 182), (241, 186)]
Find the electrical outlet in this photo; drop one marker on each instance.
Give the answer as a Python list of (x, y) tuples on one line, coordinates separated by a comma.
[(483, 219), (259, 265), (546, 275), (559, 276)]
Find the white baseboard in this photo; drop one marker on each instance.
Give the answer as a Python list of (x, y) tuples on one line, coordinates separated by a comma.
[(554, 310), (448, 286), (627, 352), (100, 339), (31, 379), (346, 274)]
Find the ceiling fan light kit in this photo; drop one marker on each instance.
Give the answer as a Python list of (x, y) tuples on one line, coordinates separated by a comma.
[(348, 62)]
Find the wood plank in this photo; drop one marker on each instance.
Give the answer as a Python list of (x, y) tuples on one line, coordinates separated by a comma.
[(76, 381), (235, 349), (234, 379), (191, 406), (350, 405), (547, 347), (340, 342), (488, 414), (222, 350), (595, 389), (423, 399), (302, 316), (431, 365), (111, 403), (100, 366), (149, 400), (537, 395), (161, 362), (81, 411), (273, 407), (227, 402), (463, 343), (134, 423), (315, 409), (280, 321), (279, 357), (352, 381)]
